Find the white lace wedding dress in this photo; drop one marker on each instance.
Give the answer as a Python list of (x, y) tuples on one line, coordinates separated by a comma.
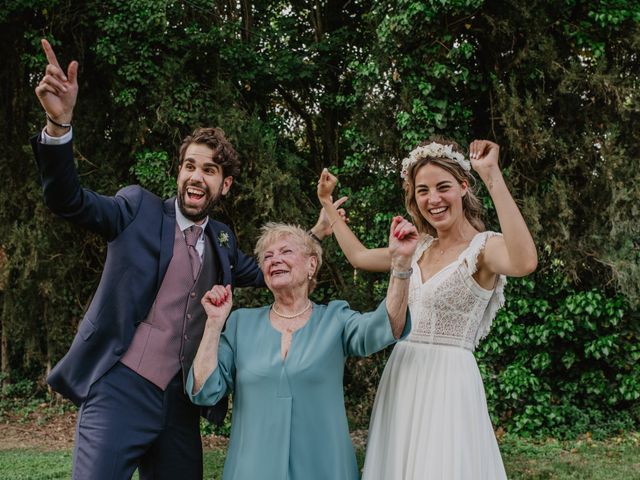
[(430, 418)]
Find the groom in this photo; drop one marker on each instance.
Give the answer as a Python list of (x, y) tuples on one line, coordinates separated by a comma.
[(127, 363)]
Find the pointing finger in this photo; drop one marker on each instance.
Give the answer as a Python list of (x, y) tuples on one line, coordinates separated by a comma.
[(51, 56)]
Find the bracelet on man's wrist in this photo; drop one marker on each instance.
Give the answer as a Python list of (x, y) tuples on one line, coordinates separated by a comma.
[(402, 274), (61, 125), (315, 237)]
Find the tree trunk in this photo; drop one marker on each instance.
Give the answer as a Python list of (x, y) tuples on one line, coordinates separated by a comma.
[(4, 348)]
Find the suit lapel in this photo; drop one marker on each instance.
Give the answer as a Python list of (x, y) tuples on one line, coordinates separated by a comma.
[(222, 253), (167, 238)]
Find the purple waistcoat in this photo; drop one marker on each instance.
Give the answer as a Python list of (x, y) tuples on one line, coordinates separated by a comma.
[(167, 340)]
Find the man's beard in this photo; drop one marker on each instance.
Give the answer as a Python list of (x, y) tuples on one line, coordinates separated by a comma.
[(204, 211)]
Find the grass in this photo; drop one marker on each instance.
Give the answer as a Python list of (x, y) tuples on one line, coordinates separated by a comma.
[(615, 458), (28, 464), (32, 464)]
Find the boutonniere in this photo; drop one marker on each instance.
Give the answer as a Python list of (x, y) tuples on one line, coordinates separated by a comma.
[(223, 239)]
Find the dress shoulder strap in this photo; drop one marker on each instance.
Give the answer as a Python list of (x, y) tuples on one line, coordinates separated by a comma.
[(470, 263), (469, 257), (423, 244)]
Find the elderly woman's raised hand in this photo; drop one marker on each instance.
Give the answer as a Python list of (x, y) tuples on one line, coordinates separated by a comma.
[(217, 304), (326, 184), (403, 239)]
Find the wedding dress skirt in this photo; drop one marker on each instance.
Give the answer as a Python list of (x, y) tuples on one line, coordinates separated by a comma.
[(430, 418)]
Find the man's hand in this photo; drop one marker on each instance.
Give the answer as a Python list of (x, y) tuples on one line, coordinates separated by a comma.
[(57, 91)]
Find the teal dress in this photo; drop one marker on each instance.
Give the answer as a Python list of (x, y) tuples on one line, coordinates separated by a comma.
[(289, 420)]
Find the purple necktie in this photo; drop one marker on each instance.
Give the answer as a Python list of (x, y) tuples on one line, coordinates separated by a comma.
[(191, 236)]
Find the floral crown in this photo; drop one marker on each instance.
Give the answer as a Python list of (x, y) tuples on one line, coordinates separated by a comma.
[(435, 150)]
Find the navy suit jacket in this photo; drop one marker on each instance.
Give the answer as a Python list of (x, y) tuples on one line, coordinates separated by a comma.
[(140, 229)]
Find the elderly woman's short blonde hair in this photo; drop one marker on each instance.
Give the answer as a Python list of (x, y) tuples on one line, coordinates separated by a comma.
[(273, 231)]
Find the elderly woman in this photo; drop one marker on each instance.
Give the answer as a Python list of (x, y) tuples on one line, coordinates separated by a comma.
[(284, 362)]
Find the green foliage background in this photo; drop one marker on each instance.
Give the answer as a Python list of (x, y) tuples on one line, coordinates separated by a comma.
[(300, 85)]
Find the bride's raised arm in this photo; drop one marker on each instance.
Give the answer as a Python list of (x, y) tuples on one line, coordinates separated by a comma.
[(361, 257), (514, 254)]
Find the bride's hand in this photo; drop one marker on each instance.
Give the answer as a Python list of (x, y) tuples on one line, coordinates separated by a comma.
[(403, 239), (483, 155)]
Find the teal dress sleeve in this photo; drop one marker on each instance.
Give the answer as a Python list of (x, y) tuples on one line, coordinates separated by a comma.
[(221, 380), (367, 333)]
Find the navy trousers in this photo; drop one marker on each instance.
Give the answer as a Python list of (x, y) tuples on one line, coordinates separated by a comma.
[(127, 422)]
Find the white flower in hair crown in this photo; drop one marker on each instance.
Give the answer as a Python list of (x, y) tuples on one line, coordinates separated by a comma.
[(436, 150)]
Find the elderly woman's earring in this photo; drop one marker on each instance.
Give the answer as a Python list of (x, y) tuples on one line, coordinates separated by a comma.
[(309, 277)]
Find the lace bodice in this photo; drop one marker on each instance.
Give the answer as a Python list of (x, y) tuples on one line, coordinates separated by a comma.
[(450, 307)]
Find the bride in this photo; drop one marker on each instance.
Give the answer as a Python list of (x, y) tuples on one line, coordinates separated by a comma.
[(430, 417)]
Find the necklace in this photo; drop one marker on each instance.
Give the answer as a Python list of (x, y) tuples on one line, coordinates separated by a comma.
[(439, 249), (273, 307), (442, 250)]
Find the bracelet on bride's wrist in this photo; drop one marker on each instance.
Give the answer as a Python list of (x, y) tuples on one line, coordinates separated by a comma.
[(402, 274)]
